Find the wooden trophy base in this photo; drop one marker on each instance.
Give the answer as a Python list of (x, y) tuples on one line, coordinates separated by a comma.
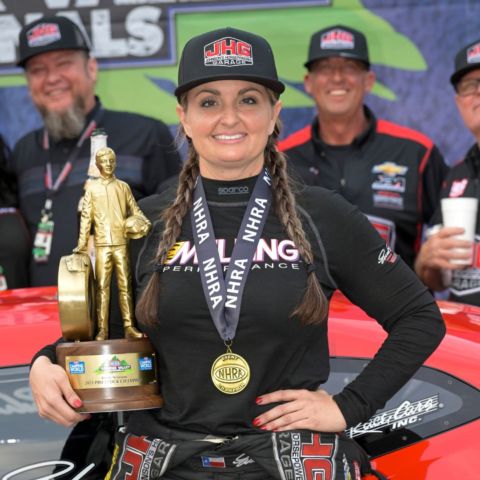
[(112, 375)]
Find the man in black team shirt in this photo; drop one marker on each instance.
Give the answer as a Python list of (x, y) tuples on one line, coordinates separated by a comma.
[(392, 173), (438, 252), (51, 163)]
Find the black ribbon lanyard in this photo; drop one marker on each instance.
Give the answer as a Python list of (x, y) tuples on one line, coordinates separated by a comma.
[(51, 186), (224, 295)]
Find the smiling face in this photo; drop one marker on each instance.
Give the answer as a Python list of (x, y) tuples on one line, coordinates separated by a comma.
[(338, 85), (61, 79), (469, 105), (229, 122)]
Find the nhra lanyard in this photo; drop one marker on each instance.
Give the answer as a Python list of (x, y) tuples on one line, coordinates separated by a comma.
[(224, 294), (43, 238)]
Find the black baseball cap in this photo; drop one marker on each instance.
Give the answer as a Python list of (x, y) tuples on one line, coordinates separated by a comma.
[(338, 41), (48, 34), (467, 59), (227, 54)]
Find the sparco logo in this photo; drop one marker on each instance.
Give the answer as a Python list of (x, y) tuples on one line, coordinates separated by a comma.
[(473, 54), (337, 39), (232, 190), (228, 52)]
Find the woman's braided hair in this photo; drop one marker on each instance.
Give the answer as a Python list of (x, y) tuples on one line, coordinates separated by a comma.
[(313, 307)]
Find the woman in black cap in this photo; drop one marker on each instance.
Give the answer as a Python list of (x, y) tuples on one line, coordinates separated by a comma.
[(234, 282)]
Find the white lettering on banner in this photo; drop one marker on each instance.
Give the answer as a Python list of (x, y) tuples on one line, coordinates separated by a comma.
[(105, 45), (55, 4), (406, 413), (9, 29), (147, 38), (124, 32), (69, 466)]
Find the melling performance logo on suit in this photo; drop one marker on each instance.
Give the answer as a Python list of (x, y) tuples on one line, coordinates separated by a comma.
[(227, 52)]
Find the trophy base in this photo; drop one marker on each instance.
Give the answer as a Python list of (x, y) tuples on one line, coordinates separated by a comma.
[(112, 375)]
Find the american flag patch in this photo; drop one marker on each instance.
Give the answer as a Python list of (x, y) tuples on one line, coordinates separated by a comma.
[(214, 462)]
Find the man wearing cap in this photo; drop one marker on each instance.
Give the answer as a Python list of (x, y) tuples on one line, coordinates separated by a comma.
[(51, 163), (435, 263), (392, 173)]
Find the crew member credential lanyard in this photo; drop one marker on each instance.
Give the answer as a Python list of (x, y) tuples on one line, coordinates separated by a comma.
[(230, 372), (42, 244)]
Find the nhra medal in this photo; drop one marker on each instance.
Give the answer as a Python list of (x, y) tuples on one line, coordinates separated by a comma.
[(230, 373)]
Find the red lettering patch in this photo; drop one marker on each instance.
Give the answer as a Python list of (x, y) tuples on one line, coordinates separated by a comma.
[(473, 53), (337, 39), (43, 34), (228, 52)]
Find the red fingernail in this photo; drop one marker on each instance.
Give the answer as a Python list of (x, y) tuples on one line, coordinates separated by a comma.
[(256, 422), (77, 403), (263, 427), (258, 400)]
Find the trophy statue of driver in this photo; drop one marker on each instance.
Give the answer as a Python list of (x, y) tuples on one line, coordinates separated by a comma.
[(109, 206)]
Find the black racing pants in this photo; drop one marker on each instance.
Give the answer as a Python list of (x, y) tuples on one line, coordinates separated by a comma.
[(292, 455)]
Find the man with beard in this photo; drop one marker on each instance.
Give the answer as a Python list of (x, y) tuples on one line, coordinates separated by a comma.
[(52, 163)]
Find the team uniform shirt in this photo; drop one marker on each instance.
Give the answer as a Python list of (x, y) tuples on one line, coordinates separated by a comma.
[(199, 423), (14, 249), (463, 181), (392, 173), (146, 156)]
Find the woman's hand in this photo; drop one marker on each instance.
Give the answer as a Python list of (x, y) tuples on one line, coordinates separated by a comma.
[(300, 409), (53, 394)]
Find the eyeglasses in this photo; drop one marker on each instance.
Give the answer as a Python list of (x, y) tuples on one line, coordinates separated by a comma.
[(468, 87)]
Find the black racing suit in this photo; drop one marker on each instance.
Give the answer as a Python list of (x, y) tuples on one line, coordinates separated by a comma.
[(392, 173), (146, 156), (463, 181), (282, 353)]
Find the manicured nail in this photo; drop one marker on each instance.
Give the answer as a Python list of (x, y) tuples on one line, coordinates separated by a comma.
[(263, 427), (77, 403), (256, 422), (258, 400)]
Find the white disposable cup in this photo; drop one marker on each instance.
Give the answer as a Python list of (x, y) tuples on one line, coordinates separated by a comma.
[(461, 212)]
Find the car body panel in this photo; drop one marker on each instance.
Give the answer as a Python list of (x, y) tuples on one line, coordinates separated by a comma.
[(29, 320)]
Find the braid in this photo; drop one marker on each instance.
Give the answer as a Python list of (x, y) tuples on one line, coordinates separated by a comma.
[(147, 306), (313, 307)]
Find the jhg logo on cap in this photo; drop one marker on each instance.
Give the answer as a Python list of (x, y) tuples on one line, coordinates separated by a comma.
[(337, 39), (473, 54), (43, 34), (227, 52)]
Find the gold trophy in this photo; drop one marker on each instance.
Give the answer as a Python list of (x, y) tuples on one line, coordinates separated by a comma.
[(108, 375)]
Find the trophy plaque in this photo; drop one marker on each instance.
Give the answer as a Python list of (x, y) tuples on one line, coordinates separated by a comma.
[(107, 374)]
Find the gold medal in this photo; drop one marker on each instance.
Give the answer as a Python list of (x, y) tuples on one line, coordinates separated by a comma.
[(230, 373)]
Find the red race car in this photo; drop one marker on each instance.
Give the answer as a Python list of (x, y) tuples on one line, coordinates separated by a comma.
[(430, 430)]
